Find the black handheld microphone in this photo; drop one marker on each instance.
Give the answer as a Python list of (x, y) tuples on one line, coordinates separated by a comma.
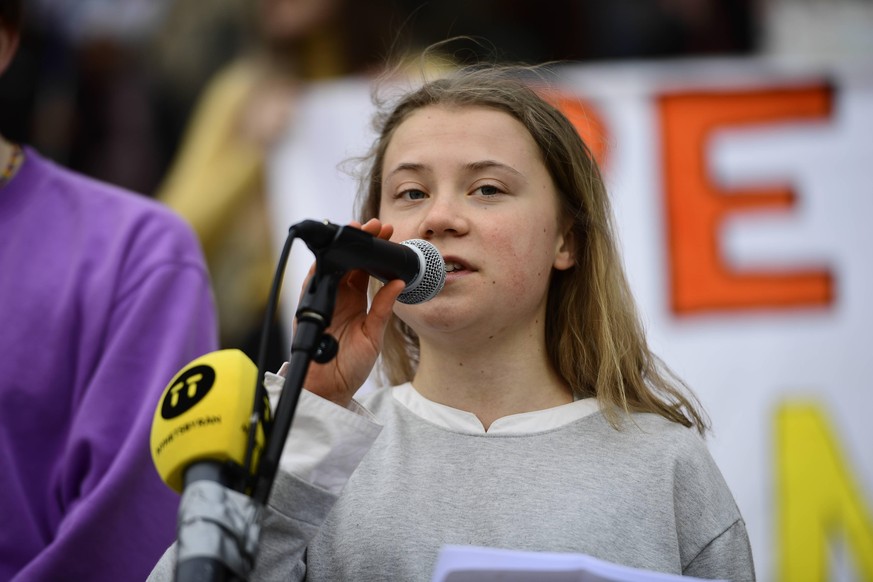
[(415, 261)]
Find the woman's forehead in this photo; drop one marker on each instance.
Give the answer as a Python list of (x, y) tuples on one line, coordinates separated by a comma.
[(473, 130)]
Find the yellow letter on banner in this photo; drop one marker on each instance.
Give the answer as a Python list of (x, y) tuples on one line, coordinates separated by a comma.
[(817, 497)]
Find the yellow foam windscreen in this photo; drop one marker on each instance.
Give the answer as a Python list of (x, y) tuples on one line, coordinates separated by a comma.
[(204, 414)]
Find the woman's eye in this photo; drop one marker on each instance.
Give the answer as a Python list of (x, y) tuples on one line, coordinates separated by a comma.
[(489, 190), (412, 195)]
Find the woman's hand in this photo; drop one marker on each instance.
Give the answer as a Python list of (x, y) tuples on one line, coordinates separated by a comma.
[(359, 333)]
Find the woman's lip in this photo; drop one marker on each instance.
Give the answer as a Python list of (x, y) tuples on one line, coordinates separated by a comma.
[(464, 266)]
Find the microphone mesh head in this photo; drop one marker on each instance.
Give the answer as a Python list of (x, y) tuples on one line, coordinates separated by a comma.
[(432, 277)]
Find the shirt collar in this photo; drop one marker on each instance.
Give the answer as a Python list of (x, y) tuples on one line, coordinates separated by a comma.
[(515, 424)]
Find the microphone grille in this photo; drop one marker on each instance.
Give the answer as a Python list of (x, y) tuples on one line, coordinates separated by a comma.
[(431, 279)]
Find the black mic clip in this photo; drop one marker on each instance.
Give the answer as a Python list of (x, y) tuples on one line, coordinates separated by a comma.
[(317, 303)]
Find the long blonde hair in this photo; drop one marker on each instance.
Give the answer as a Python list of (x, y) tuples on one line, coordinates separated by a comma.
[(594, 336)]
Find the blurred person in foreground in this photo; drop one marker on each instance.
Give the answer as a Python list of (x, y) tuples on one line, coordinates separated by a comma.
[(104, 295), (217, 180)]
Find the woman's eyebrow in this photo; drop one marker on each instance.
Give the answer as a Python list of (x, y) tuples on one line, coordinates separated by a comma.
[(488, 164), (408, 167), (471, 166)]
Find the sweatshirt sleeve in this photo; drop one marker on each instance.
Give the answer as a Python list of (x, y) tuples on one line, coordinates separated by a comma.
[(710, 529), (326, 442), (117, 514), (729, 556)]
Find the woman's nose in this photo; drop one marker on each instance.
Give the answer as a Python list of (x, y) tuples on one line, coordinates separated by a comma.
[(444, 216)]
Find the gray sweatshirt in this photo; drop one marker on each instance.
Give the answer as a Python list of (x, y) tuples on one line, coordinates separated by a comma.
[(648, 495)]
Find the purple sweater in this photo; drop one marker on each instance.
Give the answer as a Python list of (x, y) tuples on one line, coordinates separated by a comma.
[(104, 296)]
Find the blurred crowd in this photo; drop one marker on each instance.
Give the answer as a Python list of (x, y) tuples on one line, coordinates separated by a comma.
[(181, 99)]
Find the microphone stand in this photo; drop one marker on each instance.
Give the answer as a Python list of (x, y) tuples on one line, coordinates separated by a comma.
[(219, 524), (314, 315)]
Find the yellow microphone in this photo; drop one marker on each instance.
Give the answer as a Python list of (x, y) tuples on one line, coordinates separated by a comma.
[(203, 418)]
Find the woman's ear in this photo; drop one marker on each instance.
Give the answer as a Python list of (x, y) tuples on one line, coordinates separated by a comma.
[(9, 38), (565, 255)]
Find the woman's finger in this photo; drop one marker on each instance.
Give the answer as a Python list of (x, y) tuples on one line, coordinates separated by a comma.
[(382, 307), (358, 280)]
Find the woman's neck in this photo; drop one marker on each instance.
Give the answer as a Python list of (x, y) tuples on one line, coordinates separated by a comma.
[(498, 378)]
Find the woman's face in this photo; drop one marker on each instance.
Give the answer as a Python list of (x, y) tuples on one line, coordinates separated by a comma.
[(471, 181)]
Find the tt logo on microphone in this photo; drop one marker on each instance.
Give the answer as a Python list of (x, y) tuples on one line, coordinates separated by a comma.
[(188, 389)]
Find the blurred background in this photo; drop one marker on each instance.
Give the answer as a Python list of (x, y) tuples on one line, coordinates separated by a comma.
[(108, 87), (188, 102), (111, 88)]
